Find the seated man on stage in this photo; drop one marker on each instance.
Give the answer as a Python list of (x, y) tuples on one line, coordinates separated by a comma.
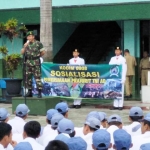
[(33, 50)]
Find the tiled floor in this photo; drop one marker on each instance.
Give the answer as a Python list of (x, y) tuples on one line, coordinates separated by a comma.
[(78, 115)]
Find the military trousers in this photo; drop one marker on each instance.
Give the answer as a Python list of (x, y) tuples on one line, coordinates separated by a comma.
[(34, 71), (144, 77), (128, 85)]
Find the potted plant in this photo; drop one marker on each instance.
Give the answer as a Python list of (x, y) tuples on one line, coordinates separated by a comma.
[(11, 30)]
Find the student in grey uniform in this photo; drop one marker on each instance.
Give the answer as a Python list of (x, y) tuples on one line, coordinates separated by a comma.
[(76, 60), (135, 115), (119, 60), (101, 140), (122, 140)]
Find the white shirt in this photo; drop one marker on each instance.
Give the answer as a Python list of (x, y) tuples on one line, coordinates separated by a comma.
[(120, 60), (88, 140), (50, 137), (139, 140), (9, 147), (79, 132), (111, 130), (17, 137), (130, 128), (1, 147), (76, 61), (35, 145), (17, 125), (46, 131)]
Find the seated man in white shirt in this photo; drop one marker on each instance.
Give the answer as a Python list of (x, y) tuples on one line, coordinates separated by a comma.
[(135, 115), (90, 126), (145, 146), (101, 140), (31, 132), (5, 135), (145, 136), (18, 122), (62, 108), (56, 145), (122, 140), (76, 143), (54, 124), (114, 123), (23, 146), (47, 130)]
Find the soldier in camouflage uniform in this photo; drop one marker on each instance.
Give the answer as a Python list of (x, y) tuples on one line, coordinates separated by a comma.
[(33, 50)]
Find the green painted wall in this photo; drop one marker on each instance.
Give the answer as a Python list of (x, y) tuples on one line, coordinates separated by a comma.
[(61, 33)]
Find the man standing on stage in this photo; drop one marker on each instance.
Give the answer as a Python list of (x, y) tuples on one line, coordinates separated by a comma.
[(76, 60), (119, 60), (33, 50), (131, 63)]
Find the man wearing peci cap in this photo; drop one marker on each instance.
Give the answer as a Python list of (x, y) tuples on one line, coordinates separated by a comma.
[(76, 60), (18, 121), (54, 124), (33, 50), (135, 115), (62, 108), (4, 115), (131, 63), (119, 60), (101, 140), (145, 136), (90, 126), (122, 140)]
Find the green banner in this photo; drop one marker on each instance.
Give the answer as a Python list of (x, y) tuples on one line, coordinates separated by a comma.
[(82, 81)]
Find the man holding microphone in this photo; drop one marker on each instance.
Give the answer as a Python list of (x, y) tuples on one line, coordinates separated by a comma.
[(33, 50)]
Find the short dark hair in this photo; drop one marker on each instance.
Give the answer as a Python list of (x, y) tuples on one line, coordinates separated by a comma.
[(48, 121), (101, 146), (56, 145), (126, 50), (32, 129), (20, 116), (146, 122), (136, 118), (5, 129), (92, 129), (117, 123), (104, 120)]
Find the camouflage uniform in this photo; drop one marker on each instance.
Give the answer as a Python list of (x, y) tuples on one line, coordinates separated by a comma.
[(33, 65)]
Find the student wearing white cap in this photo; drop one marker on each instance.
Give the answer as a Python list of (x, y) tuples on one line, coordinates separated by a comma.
[(122, 140), (119, 60), (32, 131), (54, 124), (114, 123), (90, 126), (18, 122), (76, 60), (76, 143), (145, 136), (101, 140), (62, 108), (145, 146), (5, 135), (135, 115), (47, 130), (23, 146)]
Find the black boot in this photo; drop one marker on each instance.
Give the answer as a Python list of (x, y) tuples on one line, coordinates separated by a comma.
[(39, 94), (29, 94)]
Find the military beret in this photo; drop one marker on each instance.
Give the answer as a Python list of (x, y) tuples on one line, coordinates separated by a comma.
[(76, 50), (30, 33)]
